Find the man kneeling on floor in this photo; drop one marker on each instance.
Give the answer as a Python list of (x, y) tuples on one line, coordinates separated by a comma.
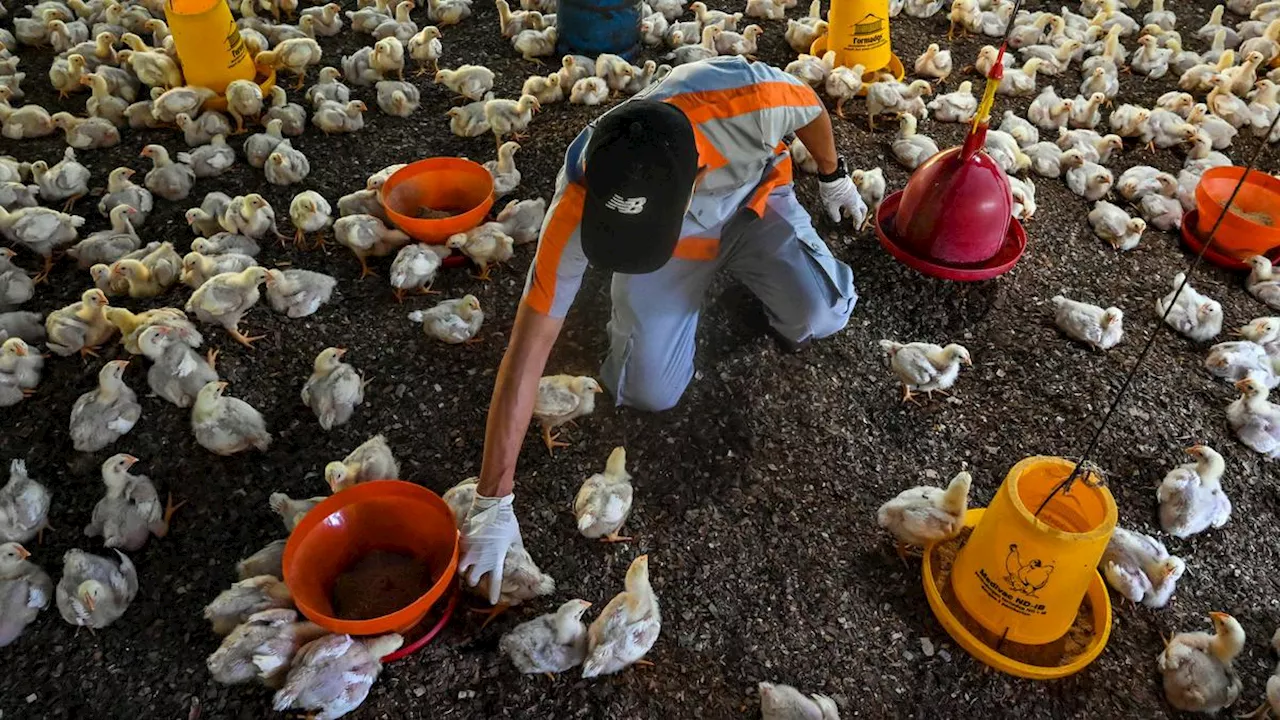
[(689, 177)]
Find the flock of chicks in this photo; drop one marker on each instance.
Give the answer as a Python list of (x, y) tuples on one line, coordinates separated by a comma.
[(225, 277)]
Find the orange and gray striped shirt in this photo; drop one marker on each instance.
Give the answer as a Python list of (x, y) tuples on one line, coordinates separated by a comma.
[(740, 112)]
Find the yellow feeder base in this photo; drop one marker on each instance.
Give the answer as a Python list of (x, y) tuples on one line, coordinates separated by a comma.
[(894, 68), (1099, 601)]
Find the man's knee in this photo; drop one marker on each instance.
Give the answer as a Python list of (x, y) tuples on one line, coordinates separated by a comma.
[(649, 373), (830, 318), (650, 397)]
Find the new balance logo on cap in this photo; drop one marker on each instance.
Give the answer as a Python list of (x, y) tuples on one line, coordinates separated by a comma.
[(626, 206)]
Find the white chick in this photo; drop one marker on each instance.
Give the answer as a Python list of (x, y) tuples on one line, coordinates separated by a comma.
[(704, 50), (1021, 82), (1192, 314), (485, 245), (1163, 213), (892, 97), (958, 106), (1197, 667), (292, 511), (225, 243), (235, 604), (41, 230), (227, 425), (224, 299), (102, 416), (1140, 568), (1114, 225), (366, 236), (534, 44), (783, 702), (16, 286), (210, 160), (415, 268), (310, 213), (1262, 282), (910, 148), (1086, 112), (20, 366), (546, 89), (286, 165), (1255, 420), (177, 374), (130, 512), (522, 219), (269, 560), (1128, 120), (1004, 150), (628, 626), (426, 48), (925, 367), (334, 389), (934, 62), (469, 81), (451, 321), (200, 131), (1190, 496), (95, 591), (66, 180), (843, 84), (1142, 180), (1024, 198), (373, 460), (589, 91), (262, 648), (331, 117), (333, 674), (258, 147), (122, 191), (924, 515), (1098, 328), (244, 100), (292, 116), (1085, 178), (1236, 360), (802, 158), (563, 399), (24, 506), (298, 293), (397, 98), (506, 176), (168, 179), (251, 216), (25, 590), (550, 643), (871, 188), (459, 499), (604, 500)]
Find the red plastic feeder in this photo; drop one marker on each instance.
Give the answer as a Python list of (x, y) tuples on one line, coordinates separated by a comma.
[(380, 515), (954, 219)]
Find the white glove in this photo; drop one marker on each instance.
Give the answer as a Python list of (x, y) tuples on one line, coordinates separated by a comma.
[(840, 197), (489, 530)]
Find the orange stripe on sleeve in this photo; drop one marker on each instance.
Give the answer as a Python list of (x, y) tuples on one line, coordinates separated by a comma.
[(719, 104), (564, 221), (697, 248), (780, 175)]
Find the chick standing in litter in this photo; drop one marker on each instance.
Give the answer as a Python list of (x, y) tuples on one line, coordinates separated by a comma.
[(550, 643), (334, 389), (485, 246), (451, 321), (1090, 324), (95, 591), (506, 176), (1191, 497), (628, 626), (227, 425), (1199, 675), (563, 399), (80, 327), (332, 675), (25, 590), (1192, 314), (102, 416), (604, 500), (235, 604), (925, 367), (1140, 568), (224, 299), (131, 511), (415, 268), (373, 460), (366, 236), (924, 515), (262, 648)]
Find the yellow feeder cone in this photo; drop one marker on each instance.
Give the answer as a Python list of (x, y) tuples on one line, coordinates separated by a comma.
[(209, 43), (858, 33), (1023, 577)]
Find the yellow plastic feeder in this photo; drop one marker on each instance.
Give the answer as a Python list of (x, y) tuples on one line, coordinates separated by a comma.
[(209, 43), (858, 33), (1023, 583)]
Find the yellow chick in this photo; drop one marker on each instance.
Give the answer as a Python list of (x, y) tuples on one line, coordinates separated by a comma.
[(224, 299), (1197, 666), (628, 626), (484, 245), (604, 500), (334, 389), (227, 425), (924, 515), (81, 326), (563, 399), (373, 460)]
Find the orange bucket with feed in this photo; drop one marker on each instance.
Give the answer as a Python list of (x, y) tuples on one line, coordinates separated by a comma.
[(1252, 225), (434, 198), (375, 558)]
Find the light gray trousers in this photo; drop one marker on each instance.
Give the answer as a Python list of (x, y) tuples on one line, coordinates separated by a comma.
[(806, 291)]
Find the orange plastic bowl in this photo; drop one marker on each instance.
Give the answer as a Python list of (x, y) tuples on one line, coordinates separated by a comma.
[(461, 186), (1252, 226), (388, 515)]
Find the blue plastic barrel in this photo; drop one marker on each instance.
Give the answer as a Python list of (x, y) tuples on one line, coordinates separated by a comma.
[(592, 27)]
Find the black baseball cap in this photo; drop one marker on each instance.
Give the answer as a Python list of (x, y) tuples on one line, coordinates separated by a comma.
[(641, 164)]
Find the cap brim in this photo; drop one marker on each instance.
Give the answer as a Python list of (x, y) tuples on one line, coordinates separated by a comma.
[(633, 246)]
